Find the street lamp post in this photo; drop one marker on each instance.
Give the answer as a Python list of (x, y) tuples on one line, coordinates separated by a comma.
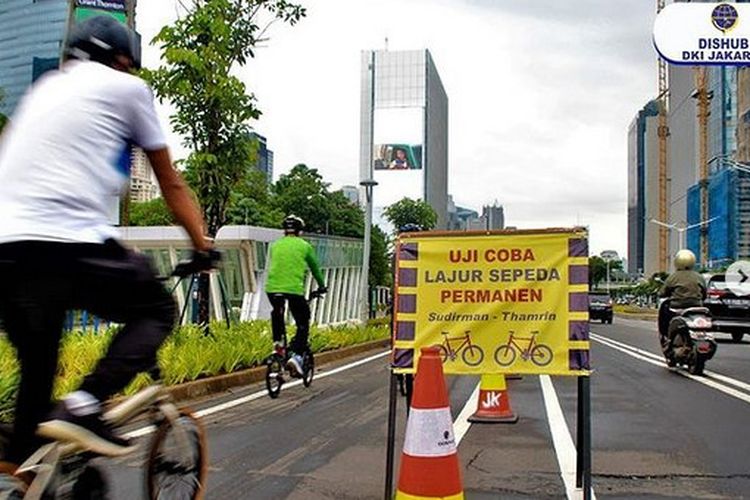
[(608, 285), (368, 184), (683, 228)]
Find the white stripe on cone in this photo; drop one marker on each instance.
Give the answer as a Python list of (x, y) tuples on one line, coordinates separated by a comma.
[(429, 433)]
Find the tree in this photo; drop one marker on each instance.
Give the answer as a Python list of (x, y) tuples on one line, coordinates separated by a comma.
[(408, 211), (251, 203), (598, 269), (346, 218), (380, 270), (213, 108), (304, 193), (151, 213)]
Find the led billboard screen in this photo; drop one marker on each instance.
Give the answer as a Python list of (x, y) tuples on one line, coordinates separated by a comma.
[(83, 13), (398, 163), (103, 4), (90, 8), (397, 157)]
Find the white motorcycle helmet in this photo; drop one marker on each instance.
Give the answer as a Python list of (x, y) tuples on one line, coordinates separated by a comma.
[(684, 260)]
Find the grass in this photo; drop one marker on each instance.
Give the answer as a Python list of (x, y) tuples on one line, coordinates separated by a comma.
[(188, 354), (629, 309)]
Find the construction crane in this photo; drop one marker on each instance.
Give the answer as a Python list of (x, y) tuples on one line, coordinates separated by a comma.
[(702, 94), (663, 133)]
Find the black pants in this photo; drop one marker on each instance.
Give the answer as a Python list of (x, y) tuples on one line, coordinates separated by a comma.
[(300, 312), (39, 282)]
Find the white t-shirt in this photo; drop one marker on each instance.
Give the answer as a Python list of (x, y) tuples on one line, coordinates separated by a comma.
[(66, 153)]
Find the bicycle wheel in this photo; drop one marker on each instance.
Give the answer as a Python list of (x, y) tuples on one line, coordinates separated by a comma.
[(541, 355), (505, 355), (472, 355), (178, 460), (443, 353), (274, 376), (308, 369)]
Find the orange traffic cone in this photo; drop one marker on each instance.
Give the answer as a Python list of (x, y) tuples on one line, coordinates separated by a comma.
[(494, 402), (429, 462)]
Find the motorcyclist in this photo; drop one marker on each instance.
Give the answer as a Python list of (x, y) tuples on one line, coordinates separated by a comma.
[(290, 257), (63, 158), (684, 288)]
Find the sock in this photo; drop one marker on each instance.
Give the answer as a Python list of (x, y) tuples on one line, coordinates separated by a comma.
[(82, 403)]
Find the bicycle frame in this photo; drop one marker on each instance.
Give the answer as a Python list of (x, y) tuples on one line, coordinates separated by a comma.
[(532, 341), (465, 342), (45, 462)]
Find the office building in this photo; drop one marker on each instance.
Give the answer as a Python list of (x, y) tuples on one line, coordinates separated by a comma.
[(143, 184), (32, 34), (743, 115), (493, 217), (728, 205), (264, 161), (643, 194), (460, 218), (351, 193), (683, 168), (404, 129), (727, 135), (31, 37)]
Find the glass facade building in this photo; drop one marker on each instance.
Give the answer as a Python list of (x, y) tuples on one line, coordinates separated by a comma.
[(722, 118), (31, 35), (265, 156), (643, 191), (404, 108), (726, 204)]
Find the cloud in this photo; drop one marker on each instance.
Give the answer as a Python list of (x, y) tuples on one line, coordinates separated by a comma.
[(541, 94)]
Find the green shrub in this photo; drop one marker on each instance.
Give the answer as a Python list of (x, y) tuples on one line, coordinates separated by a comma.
[(8, 379), (188, 354)]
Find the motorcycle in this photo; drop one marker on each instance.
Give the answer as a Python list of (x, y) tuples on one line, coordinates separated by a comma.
[(688, 340)]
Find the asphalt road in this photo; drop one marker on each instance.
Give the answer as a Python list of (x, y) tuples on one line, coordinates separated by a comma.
[(656, 433)]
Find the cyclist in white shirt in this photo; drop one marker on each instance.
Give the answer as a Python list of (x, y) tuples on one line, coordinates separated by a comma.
[(63, 157)]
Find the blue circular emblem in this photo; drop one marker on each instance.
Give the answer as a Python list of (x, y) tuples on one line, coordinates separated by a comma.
[(724, 17)]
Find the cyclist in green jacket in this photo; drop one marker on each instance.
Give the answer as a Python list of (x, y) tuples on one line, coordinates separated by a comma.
[(290, 257)]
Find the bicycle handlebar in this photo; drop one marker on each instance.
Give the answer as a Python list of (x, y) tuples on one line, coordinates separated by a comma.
[(199, 262)]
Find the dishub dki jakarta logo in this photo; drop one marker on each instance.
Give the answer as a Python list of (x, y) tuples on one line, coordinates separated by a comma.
[(724, 17)]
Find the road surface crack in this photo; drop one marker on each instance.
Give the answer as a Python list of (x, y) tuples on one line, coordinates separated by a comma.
[(471, 464)]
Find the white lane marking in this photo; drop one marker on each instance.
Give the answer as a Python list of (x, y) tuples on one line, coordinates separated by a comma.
[(633, 352), (462, 424), (709, 373), (638, 323), (561, 439), (727, 380), (256, 395), (637, 350)]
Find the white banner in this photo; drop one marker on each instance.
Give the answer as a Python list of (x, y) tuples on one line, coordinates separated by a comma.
[(708, 34)]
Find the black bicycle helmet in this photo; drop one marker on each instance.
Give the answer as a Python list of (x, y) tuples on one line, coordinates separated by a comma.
[(293, 223), (101, 38)]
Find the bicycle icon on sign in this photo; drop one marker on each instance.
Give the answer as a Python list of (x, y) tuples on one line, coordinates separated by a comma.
[(471, 354), (539, 354)]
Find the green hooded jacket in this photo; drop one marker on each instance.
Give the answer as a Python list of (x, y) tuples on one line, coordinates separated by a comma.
[(290, 257)]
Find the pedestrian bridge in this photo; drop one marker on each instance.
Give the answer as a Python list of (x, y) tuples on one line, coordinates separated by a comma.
[(237, 289)]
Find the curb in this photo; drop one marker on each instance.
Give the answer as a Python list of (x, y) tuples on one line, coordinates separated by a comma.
[(220, 383), (640, 316)]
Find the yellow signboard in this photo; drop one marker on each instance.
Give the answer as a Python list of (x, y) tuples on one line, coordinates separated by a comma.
[(503, 302)]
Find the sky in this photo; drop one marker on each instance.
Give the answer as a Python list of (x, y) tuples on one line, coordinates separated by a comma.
[(541, 94)]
